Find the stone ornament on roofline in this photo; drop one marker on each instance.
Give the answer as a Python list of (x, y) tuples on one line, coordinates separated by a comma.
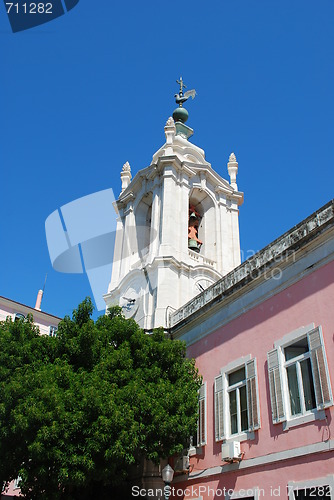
[(232, 158), (232, 168), (126, 167), (126, 176), (170, 134), (170, 122)]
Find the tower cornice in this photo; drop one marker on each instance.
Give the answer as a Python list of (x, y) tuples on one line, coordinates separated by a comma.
[(220, 185)]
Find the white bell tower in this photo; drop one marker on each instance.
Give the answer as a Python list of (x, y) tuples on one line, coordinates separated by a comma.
[(177, 230)]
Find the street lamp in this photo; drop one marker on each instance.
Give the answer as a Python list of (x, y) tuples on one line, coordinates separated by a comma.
[(167, 477)]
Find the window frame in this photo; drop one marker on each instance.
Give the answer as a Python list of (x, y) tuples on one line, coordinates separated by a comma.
[(222, 409), (236, 388), (296, 361), (236, 495), (53, 333), (18, 316), (202, 417), (278, 379), (312, 483)]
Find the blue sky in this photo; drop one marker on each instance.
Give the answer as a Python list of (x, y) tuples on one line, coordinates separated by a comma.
[(93, 89)]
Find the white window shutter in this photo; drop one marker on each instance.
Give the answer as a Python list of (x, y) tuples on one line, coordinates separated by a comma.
[(322, 385), (275, 385), (201, 428), (219, 408), (252, 395)]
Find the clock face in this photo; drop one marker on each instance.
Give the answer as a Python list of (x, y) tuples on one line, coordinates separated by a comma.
[(134, 296), (202, 285), (129, 302)]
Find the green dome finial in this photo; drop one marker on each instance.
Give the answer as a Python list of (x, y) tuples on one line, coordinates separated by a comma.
[(181, 114)]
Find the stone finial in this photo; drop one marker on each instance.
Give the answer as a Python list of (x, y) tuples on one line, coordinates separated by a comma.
[(126, 176), (126, 167), (232, 168), (170, 131), (170, 122)]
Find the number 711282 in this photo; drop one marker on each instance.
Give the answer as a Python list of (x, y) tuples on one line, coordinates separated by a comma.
[(30, 8)]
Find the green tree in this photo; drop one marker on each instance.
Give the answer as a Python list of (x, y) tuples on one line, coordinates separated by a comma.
[(79, 409)]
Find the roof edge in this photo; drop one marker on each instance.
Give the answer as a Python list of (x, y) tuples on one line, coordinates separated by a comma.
[(279, 250)]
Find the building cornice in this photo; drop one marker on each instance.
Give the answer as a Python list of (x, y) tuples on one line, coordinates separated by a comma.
[(261, 461), (279, 254), (23, 308), (221, 185)]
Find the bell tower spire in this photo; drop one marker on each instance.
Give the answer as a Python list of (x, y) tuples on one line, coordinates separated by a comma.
[(177, 229), (180, 114)]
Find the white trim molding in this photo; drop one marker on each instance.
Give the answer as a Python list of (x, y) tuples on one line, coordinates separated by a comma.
[(295, 335), (312, 484), (311, 449)]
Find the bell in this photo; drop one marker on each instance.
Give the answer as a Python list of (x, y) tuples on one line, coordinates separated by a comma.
[(194, 245)]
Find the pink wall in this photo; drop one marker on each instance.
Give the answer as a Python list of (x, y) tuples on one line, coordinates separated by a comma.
[(271, 479), (11, 492), (308, 301)]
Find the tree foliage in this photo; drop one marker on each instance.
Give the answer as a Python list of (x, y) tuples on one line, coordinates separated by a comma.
[(77, 410)]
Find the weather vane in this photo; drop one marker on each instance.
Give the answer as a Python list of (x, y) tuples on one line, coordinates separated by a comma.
[(180, 98)]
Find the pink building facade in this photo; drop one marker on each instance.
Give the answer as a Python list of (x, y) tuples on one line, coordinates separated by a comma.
[(262, 337), (47, 323)]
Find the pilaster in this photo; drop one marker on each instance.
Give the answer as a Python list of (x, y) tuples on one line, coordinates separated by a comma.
[(116, 265), (155, 220), (129, 244), (168, 218)]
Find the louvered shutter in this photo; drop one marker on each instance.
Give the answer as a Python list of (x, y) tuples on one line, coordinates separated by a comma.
[(275, 385), (252, 396), (322, 386), (201, 429), (219, 408)]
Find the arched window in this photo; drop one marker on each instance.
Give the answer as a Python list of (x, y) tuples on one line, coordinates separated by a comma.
[(202, 224), (53, 331), (143, 223), (194, 219), (19, 316)]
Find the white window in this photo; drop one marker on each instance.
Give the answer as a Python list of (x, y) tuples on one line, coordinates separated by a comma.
[(236, 400), (53, 331), (19, 316), (16, 483), (243, 497), (201, 427), (298, 377), (316, 489), (245, 494)]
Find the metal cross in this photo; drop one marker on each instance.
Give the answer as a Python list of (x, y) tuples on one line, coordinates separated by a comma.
[(180, 82)]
